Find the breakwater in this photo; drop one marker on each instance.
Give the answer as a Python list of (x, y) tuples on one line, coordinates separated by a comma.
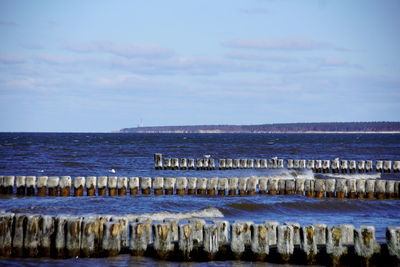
[(279, 184), (63, 236), (318, 166)]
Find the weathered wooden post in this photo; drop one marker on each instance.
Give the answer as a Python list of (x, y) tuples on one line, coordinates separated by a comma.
[(211, 164), (263, 164), (250, 163), (280, 164), (365, 245), (379, 166), (191, 164), (351, 188), (8, 184), (232, 185), (380, 189), (370, 189), (6, 227), (183, 163), (308, 243), (330, 187), (73, 240), (303, 164), (47, 232), (158, 185), (175, 164), (334, 246), (262, 185), (352, 166), (192, 185), (65, 186), (341, 188), (212, 186), (326, 166), (199, 164), (222, 164), (90, 230), (290, 164), (181, 184), (201, 186), (273, 186), (309, 187), (368, 166), (123, 231), (229, 164), (167, 164), (360, 188), (205, 164), (133, 185), (30, 185), (311, 164), (41, 186), (393, 241), (282, 186), (236, 164), (79, 184), (272, 232), (20, 183), (361, 166), (60, 236), (185, 242), (387, 166), (91, 185), (223, 234), (260, 241), (252, 183), (140, 238), (285, 243), (112, 185), (257, 163), (300, 186), (211, 242), (122, 184), (240, 237), (158, 161), (111, 242), (173, 226), (319, 188), (396, 166), (222, 186), (52, 186), (320, 234), (145, 184), (163, 245), (169, 185), (242, 184), (318, 166), (102, 185), (296, 164), (243, 163), (335, 165), (32, 236), (390, 188), (344, 166)]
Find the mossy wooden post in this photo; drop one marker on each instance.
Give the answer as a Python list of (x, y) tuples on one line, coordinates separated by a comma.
[(41, 186), (6, 227), (20, 183), (111, 241), (285, 244), (53, 186), (65, 186), (32, 236), (260, 241), (133, 185), (91, 182), (79, 186), (334, 245), (365, 245)]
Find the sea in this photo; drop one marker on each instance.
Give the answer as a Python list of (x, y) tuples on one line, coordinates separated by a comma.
[(130, 154)]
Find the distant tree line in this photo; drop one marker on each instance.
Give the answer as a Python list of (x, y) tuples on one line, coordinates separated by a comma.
[(378, 126)]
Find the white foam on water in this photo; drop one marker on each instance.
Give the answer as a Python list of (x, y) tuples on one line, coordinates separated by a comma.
[(209, 212), (354, 176)]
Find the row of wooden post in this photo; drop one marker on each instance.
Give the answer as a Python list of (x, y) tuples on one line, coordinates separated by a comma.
[(319, 166), (272, 185), (63, 236)]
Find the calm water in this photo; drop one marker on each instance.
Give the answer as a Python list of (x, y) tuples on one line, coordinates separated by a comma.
[(86, 154)]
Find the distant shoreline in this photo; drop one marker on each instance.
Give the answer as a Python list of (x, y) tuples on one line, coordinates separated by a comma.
[(260, 132)]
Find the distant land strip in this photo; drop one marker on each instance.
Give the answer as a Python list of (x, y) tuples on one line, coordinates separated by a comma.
[(320, 127)]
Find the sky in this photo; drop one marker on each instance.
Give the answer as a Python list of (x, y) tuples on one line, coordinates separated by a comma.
[(99, 66)]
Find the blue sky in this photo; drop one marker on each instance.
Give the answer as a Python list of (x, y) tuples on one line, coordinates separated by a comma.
[(99, 66)]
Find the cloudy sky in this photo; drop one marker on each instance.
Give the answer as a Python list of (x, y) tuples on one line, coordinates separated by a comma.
[(99, 66)]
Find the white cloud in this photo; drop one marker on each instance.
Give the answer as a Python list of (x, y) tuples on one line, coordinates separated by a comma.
[(284, 44)]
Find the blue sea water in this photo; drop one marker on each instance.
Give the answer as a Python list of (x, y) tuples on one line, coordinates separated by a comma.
[(94, 154)]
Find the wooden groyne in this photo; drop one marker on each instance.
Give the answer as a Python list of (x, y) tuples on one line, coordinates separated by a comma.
[(231, 186), (64, 236), (318, 166)]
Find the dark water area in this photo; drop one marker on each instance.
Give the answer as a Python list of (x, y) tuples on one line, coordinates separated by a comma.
[(88, 154)]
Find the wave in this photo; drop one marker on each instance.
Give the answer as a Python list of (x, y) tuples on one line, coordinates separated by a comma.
[(354, 176), (209, 212)]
